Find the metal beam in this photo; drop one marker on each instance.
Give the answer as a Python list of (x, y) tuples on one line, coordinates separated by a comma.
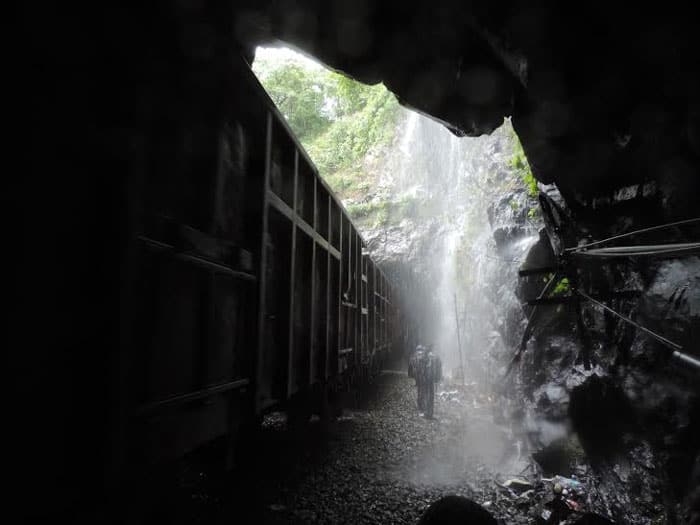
[(191, 396), (687, 359), (288, 212), (195, 260), (292, 281), (313, 342), (326, 362), (263, 266)]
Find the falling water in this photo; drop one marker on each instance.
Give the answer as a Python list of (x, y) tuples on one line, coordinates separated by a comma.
[(455, 273), (449, 239)]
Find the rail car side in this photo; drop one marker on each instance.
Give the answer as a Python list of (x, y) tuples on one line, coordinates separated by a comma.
[(180, 266), (254, 290)]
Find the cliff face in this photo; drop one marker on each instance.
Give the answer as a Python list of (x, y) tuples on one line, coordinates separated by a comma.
[(636, 411), (454, 245)]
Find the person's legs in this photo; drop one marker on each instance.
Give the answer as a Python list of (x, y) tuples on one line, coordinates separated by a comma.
[(421, 397), (429, 399)]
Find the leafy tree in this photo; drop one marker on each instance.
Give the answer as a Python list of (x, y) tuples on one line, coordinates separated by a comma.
[(370, 124), (302, 98), (336, 119), (352, 95)]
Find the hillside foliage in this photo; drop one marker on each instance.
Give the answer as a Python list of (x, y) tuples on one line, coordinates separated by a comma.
[(336, 119)]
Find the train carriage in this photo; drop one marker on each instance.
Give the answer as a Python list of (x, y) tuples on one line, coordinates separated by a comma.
[(254, 291)]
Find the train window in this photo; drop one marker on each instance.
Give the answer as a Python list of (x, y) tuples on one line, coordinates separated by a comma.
[(282, 163)]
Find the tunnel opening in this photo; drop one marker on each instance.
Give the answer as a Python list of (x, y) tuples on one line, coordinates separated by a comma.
[(424, 200), (143, 245)]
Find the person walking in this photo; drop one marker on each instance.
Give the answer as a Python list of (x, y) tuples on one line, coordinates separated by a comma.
[(428, 373), (413, 367)]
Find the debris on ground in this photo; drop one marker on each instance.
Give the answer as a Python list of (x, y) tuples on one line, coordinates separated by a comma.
[(519, 486), (453, 396), (382, 463)]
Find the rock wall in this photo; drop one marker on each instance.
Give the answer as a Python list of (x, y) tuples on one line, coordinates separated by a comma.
[(635, 413)]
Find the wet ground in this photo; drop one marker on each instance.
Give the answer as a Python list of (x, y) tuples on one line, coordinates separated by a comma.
[(385, 463), (380, 462)]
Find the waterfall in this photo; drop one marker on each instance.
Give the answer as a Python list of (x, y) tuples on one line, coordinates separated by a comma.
[(447, 238)]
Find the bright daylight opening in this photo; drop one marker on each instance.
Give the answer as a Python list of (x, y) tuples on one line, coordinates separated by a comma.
[(449, 219), (454, 216)]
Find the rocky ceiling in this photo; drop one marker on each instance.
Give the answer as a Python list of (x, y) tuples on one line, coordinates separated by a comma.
[(601, 95)]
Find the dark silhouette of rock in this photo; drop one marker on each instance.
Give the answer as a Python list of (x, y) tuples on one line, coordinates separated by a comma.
[(456, 510), (590, 518)]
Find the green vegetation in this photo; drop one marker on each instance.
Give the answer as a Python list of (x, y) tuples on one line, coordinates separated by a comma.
[(534, 213), (300, 97), (519, 163), (363, 210), (561, 288), (352, 135), (345, 127), (382, 213), (336, 119)]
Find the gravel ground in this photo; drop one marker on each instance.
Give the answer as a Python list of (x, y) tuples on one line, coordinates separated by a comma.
[(380, 462), (385, 463)]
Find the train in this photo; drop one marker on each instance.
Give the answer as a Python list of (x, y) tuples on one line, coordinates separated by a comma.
[(181, 272), (253, 291)]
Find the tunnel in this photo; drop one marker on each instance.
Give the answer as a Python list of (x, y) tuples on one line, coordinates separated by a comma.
[(202, 330)]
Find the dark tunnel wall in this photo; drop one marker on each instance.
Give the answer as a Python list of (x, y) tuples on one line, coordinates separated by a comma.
[(96, 89)]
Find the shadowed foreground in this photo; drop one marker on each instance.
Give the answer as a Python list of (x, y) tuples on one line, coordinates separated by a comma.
[(378, 463)]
